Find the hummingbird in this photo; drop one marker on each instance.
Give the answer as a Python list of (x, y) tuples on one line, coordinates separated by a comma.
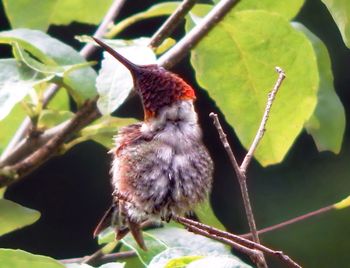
[(160, 167)]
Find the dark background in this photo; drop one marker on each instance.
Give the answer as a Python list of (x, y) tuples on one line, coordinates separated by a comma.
[(72, 191)]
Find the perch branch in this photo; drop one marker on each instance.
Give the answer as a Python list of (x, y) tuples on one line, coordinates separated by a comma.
[(86, 51), (228, 238), (171, 23)]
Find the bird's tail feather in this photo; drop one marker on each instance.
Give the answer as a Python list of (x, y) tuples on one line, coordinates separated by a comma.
[(114, 218)]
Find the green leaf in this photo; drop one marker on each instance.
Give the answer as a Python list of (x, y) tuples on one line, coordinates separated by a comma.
[(114, 81), (154, 247), (103, 130), (206, 215), (14, 216), (343, 203), (51, 118), (11, 258), (218, 262), (9, 125), (340, 11), (238, 72), (78, 79), (327, 124), (60, 101), (182, 262), (287, 8), (48, 50), (40, 14), (173, 257), (106, 236), (162, 9), (56, 58), (16, 81), (199, 245), (106, 265)]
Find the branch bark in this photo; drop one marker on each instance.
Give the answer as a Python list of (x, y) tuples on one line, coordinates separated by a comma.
[(177, 52), (244, 245), (171, 23)]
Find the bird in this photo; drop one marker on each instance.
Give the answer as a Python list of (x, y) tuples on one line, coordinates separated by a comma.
[(161, 167)]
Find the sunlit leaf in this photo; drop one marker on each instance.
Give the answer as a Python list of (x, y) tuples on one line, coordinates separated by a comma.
[(173, 256), (9, 125), (51, 118), (218, 262), (238, 72), (199, 245), (45, 48), (11, 258), (55, 57), (161, 9), (340, 11), (154, 247), (103, 130), (16, 81), (343, 203), (114, 81), (287, 8), (14, 216), (327, 124), (40, 14), (181, 262)]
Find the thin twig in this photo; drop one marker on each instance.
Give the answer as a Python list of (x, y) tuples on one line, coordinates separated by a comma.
[(261, 130), (170, 24), (177, 52), (291, 221), (241, 171), (217, 234), (104, 258), (241, 176), (86, 51)]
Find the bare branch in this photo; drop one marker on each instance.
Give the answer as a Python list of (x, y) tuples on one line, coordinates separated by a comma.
[(241, 171), (177, 52), (171, 23), (242, 179), (228, 238), (261, 130), (86, 51), (292, 221)]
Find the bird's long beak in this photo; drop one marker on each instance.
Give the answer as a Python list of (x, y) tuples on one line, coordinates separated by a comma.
[(132, 67)]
